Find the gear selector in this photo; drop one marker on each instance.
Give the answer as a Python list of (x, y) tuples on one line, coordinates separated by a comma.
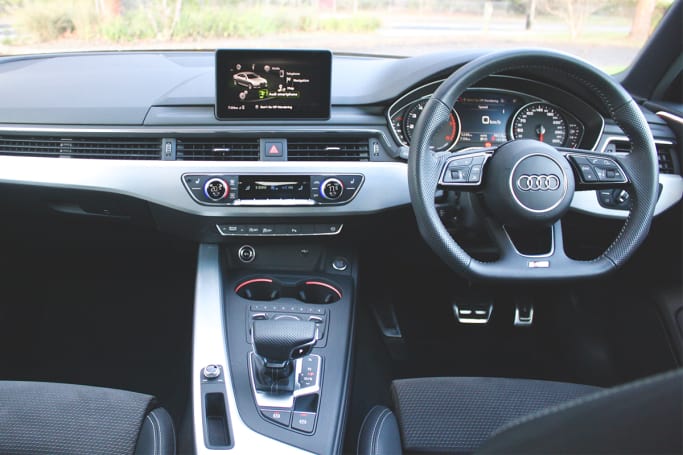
[(276, 344)]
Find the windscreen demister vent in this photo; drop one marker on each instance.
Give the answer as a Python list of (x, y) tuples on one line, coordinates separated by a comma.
[(328, 149), (81, 147), (203, 149)]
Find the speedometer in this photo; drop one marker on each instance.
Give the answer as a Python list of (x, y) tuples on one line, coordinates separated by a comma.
[(446, 134), (544, 122)]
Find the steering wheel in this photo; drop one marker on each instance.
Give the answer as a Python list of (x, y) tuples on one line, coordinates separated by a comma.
[(527, 183)]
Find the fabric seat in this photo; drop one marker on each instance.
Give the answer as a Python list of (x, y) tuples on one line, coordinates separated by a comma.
[(48, 418), (496, 415)]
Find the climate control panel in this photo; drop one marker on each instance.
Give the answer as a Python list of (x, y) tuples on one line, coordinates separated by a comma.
[(272, 189)]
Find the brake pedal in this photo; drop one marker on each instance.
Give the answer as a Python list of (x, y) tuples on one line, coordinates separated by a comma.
[(524, 314)]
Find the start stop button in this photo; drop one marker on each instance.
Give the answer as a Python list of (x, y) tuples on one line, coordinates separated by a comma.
[(246, 254)]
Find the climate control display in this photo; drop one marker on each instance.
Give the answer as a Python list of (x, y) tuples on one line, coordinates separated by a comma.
[(274, 189)]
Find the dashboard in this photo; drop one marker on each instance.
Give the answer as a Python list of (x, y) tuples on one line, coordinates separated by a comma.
[(144, 128)]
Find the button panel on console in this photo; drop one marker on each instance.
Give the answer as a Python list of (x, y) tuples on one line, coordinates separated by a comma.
[(272, 190)]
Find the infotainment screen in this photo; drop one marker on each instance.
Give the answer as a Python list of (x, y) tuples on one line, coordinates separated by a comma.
[(272, 84)]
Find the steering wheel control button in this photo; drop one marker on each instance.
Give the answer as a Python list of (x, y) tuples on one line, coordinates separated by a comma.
[(303, 421), (331, 189), (475, 174), (600, 170), (460, 174), (281, 417), (464, 171), (212, 371), (246, 254), (216, 189)]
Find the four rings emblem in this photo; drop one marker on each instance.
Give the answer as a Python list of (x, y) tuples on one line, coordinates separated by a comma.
[(538, 182)]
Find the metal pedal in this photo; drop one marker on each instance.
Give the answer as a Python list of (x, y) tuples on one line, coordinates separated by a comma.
[(473, 314), (524, 314)]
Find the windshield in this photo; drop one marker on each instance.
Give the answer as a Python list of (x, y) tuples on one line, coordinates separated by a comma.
[(607, 33)]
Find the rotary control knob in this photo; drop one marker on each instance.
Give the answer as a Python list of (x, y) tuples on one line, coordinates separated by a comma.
[(331, 189), (212, 371), (216, 189)]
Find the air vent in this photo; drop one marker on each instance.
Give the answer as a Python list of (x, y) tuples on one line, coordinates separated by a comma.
[(217, 150), (327, 149), (665, 154), (81, 147), (618, 147)]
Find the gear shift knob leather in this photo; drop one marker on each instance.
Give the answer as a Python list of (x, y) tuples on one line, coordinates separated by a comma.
[(279, 341)]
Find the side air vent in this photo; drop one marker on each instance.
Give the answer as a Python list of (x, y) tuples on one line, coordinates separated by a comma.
[(328, 149), (81, 147), (217, 150), (665, 154)]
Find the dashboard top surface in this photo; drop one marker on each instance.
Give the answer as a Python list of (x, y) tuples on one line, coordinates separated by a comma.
[(119, 88)]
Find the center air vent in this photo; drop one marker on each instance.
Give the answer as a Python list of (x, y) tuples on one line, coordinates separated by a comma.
[(202, 149), (328, 149), (665, 154), (81, 147)]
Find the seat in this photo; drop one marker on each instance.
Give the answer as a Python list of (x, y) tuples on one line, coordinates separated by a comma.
[(48, 418), (520, 416)]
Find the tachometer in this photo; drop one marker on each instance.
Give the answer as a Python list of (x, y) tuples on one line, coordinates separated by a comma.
[(543, 122), (446, 134)]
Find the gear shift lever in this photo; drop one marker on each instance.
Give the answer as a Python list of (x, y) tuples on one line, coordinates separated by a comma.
[(276, 343)]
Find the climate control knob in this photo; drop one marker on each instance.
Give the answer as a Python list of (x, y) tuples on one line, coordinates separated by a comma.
[(216, 189), (331, 189)]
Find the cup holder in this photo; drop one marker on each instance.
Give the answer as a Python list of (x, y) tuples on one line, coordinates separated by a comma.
[(317, 292), (264, 289), (267, 289)]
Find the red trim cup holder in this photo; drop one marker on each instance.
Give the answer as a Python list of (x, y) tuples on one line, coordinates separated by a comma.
[(264, 289), (318, 292)]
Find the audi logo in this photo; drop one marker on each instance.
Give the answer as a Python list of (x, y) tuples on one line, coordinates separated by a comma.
[(538, 182)]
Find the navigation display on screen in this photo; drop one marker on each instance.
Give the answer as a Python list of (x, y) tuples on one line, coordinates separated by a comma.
[(272, 84)]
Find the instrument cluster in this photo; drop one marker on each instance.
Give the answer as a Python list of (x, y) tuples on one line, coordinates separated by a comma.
[(487, 117)]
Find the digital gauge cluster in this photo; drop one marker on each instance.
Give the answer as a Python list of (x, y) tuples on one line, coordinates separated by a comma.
[(486, 118)]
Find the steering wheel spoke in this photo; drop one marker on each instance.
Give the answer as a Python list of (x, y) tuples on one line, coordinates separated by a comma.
[(511, 256), (595, 171), (464, 170)]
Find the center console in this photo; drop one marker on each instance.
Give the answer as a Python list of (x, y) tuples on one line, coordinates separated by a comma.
[(272, 345)]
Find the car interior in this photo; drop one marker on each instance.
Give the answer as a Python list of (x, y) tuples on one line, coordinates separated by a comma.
[(286, 251)]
